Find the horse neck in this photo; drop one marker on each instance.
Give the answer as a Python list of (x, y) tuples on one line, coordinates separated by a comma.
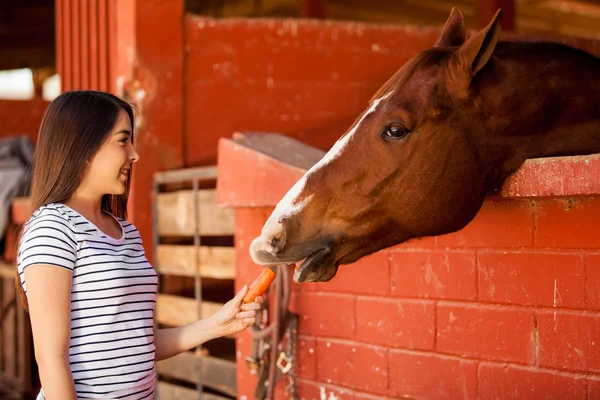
[(539, 109)]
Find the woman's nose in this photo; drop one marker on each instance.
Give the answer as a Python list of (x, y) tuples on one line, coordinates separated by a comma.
[(133, 155)]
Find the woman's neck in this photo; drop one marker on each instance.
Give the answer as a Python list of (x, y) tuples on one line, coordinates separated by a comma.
[(86, 205)]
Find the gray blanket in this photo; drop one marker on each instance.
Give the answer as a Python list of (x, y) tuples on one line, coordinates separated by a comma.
[(16, 158)]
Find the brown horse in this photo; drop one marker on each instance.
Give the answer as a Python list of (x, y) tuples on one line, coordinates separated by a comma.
[(447, 128)]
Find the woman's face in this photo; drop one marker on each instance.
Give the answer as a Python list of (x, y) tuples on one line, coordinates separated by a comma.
[(108, 170)]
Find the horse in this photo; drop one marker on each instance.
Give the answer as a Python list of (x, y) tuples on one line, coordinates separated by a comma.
[(443, 132)]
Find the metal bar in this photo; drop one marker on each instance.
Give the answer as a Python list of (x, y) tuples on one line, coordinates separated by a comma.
[(197, 279), (155, 240), (186, 174)]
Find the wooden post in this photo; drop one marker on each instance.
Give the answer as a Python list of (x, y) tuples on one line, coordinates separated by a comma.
[(487, 9)]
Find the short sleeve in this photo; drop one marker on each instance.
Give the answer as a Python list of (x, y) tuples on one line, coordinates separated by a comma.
[(47, 239)]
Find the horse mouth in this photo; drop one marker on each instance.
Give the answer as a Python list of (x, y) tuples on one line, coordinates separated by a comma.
[(318, 267)]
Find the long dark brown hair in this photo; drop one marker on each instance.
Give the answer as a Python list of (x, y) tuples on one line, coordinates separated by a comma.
[(75, 126)]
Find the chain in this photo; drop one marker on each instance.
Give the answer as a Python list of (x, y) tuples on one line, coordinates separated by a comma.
[(291, 351)]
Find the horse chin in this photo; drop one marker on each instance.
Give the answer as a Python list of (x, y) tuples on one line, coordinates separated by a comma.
[(318, 267)]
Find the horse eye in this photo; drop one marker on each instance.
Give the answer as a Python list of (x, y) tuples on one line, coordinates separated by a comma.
[(394, 132)]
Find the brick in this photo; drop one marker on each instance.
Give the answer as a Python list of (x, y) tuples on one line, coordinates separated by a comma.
[(568, 223), (499, 381), (434, 274), (431, 376), (512, 222), (395, 322), (486, 332), (524, 278), (308, 390), (593, 383), (369, 275), (592, 269), (569, 341), (353, 365), (331, 315), (365, 396), (307, 357), (418, 243)]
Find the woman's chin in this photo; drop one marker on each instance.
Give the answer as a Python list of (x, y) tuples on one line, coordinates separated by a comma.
[(118, 190)]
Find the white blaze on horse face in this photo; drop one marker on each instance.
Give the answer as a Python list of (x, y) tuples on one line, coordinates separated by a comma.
[(291, 203)]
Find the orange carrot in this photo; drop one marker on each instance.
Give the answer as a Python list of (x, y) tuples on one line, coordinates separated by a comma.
[(260, 285)]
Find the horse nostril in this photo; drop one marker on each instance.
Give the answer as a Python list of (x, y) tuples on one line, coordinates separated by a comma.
[(276, 240)]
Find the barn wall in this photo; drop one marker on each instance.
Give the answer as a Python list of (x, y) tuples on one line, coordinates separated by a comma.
[(305, 79)]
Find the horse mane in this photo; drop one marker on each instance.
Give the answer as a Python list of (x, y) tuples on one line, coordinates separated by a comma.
[(527, 47)]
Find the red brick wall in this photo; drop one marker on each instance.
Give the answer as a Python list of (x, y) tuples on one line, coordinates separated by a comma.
[(508, 307)]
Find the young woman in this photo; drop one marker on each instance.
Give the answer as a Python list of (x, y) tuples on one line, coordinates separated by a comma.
[(83, 275)]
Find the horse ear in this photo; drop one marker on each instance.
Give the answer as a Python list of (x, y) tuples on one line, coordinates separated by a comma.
[(453, 32), (475, 53)]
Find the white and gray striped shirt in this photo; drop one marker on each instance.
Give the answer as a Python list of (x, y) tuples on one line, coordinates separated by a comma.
[(113, 298)]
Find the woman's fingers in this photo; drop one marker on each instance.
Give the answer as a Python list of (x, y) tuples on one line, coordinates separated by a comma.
[(246, 314), (251, 306)]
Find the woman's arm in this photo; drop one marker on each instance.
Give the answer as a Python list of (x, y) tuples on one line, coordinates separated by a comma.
[(49, 300), (230, 319)]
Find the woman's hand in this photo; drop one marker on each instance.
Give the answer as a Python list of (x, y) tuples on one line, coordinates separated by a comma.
[(236, 316)]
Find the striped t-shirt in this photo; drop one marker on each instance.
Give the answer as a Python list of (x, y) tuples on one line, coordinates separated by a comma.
[(113, 297)]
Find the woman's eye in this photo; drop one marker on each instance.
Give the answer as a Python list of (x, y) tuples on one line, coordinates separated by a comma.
[(394, 132)]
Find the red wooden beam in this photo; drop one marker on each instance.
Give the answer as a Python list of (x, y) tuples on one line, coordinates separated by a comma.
[(487, 9), (312, 9)]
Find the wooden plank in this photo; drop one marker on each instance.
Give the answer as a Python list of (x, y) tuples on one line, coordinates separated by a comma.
[(168, 391), (25, 350), (186, 174), (176, 214), (215, 373), (9, 330), (7, 270), (215, 262), (176, 310)]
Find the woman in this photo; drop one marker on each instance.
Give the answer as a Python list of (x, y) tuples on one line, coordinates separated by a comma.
[(83, 275)]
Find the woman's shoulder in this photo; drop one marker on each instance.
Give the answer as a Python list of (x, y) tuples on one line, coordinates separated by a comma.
[(49, 222), (50, 212)]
